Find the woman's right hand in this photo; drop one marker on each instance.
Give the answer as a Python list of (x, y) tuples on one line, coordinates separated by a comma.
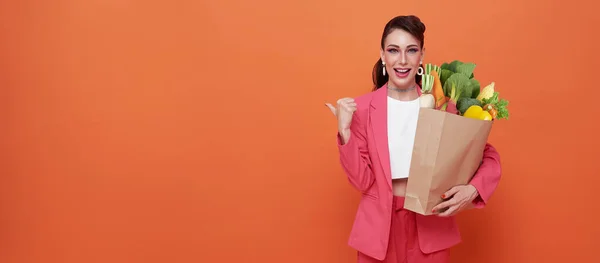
[(343, 112)]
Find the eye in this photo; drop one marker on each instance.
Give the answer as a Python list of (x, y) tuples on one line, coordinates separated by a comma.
[(413, 50), (392, 50)]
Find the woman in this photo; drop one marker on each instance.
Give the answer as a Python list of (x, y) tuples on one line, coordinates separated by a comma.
[(375, 133)]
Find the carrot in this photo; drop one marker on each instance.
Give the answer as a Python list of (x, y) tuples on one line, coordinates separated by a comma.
[(438, 91), (489, 108)]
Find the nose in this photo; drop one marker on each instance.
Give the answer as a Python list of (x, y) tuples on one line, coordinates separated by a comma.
[(403, 58)]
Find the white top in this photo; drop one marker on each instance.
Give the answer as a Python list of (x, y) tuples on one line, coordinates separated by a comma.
[(402, 125)]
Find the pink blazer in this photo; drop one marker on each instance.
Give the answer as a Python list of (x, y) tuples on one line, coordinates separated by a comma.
[(365, 159)]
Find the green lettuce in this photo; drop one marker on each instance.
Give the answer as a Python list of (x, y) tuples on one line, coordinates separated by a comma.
[(461, 74), (462, 84)]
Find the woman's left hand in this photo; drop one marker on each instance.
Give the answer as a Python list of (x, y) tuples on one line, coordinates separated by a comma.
[(461, 197)]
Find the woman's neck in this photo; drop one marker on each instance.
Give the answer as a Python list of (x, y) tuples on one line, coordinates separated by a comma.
[(406, 94)]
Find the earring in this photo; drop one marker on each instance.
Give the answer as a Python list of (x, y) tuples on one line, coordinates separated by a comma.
[(383, 63), (420, 71)]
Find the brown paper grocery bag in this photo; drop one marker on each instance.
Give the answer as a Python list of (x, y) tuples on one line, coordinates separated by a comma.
[(448, 150)]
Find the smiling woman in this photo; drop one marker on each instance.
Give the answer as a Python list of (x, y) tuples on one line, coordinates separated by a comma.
[(406, 45), (375, 138)]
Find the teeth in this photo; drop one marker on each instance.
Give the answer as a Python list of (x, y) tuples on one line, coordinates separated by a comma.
[(402, 70)]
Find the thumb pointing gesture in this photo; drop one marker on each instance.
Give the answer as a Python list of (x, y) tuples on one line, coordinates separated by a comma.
[(343, 112), (333, 109)]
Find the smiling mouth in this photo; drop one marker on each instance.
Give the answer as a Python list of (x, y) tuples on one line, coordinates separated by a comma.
[(402, 71)]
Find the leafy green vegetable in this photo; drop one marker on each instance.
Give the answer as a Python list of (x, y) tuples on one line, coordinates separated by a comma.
[(465, 68), (476, 88), (464, 104), (446, 73), (451, 66), (499, 104), (462, 84), (445, 65)]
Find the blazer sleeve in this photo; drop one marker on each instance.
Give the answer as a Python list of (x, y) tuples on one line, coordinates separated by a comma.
[(354, 155), (487, 177)]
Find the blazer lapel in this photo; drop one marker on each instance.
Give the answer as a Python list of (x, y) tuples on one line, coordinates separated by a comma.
[(380, 129)]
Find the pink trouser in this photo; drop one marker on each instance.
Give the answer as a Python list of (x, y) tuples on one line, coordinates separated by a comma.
[(404, 243)]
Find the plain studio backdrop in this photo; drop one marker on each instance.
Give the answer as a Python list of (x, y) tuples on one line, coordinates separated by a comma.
[(196, 131)]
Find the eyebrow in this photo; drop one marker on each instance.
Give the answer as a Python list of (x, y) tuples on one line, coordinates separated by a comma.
[(396, 46)]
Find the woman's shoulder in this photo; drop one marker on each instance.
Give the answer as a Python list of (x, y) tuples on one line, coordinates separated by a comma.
[(363, 104), (364, 101)]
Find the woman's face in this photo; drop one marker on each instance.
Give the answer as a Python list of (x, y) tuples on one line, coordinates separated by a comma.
[(402, 56)]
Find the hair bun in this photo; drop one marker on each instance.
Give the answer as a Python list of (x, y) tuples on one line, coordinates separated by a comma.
[(418, 23)]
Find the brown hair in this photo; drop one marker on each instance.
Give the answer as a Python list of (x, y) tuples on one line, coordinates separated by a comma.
[(410, 24)]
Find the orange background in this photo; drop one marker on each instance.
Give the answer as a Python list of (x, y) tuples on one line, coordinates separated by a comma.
[(165, 131)]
